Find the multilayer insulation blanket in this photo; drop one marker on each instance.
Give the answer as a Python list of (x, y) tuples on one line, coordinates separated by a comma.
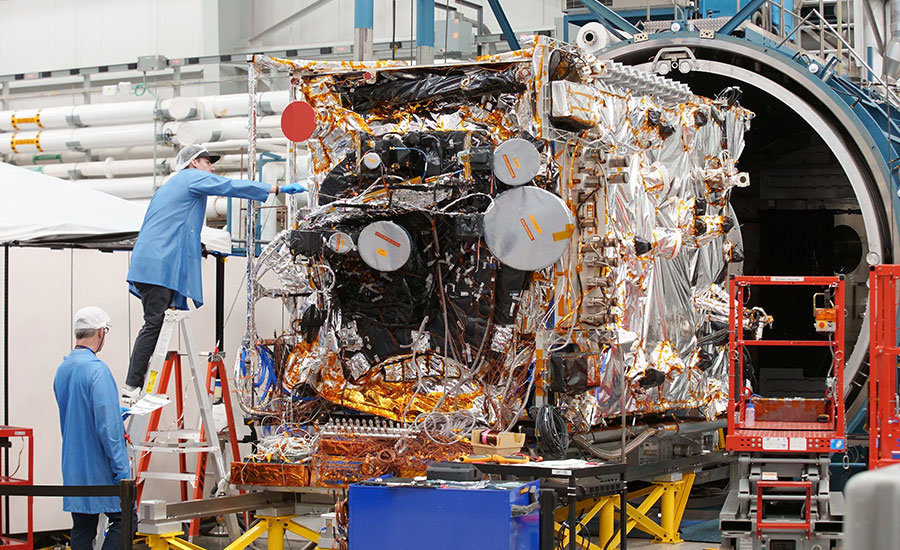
[(481, 234)]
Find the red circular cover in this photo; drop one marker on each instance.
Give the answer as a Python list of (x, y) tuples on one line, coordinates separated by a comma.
[(298, 121)]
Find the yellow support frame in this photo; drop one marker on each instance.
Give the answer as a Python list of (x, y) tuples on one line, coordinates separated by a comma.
[(168, 541), (672, 496), (275, 526)]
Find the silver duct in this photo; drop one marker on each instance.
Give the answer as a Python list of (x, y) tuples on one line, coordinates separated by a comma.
[(892, 51)]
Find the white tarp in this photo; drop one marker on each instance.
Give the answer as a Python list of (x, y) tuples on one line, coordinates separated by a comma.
[(40, 209)]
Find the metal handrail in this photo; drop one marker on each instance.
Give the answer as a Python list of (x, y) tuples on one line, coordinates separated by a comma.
[(823, 23)]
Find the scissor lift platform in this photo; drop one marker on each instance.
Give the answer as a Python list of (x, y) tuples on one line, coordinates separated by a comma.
[(780, 492)]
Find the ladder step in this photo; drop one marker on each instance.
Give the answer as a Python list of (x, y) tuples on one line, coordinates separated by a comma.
[(175, 449), (188, 435), (173, 476)]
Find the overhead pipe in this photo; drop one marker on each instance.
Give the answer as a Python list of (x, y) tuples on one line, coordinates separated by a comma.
[(112, 168), (109, 168), (140, 152), (272, 145), (133, 188), (134, 112), (205, 131), (215, 207), (41, 159), (133, 152), (231, 105), (98, 114), (84, 138)]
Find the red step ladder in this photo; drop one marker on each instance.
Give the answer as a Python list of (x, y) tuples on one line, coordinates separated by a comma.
[(144, 430)]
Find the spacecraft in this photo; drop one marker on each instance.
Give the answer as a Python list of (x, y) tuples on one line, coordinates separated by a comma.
[(539, 228)]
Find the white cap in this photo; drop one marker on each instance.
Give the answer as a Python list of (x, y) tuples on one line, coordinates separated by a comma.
[(189, 153), (91, 317)]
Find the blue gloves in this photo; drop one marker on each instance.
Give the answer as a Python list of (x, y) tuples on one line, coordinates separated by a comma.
[(293, 188)]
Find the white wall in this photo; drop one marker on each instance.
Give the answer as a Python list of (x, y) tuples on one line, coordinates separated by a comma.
[(40, 35), (334, 21), (57, 34), (46, 287)]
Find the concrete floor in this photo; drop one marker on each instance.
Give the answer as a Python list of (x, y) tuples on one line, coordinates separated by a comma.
[(218, 543), (292, 542), (645, 544)]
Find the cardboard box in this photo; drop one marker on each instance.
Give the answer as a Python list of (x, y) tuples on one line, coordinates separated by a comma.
[(499, 443)]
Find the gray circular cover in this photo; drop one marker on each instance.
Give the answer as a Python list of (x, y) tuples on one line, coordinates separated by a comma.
[(340, 242), (528, 228), (516, 161), (384, 245)]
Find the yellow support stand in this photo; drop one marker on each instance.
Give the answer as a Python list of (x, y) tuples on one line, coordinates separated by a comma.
[(168, 541), (275, 526), (671, 495)]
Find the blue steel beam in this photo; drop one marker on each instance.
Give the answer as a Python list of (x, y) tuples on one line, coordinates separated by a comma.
[(363, 14), (610, 17), (508, 33), (741, 16), (425, 23)]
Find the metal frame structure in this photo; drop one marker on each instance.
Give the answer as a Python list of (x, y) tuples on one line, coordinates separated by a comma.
[(671, 497), (611, 489), (884, 404), (780, 436)]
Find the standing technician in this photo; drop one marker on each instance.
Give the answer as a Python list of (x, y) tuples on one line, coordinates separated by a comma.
[(93, 438), (165, 263)]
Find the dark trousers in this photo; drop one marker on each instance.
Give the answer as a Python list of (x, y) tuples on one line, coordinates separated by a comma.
[(155, 300), (84, 529)]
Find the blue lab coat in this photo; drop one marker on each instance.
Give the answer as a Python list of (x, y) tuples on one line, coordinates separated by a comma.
[(93, 450), (167, 250)]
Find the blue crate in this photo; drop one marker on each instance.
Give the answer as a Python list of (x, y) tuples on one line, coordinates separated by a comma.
[(448, 517)]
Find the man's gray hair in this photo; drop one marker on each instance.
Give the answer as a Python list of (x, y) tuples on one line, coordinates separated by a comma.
[(85, 332)]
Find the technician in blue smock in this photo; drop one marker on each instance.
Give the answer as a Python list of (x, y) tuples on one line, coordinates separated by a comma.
[(165, 263), (93, 438)]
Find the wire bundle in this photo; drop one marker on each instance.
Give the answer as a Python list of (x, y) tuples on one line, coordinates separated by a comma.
[(551, 432)]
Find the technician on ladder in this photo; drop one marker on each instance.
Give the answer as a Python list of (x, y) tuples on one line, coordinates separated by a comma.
[(165, 264)]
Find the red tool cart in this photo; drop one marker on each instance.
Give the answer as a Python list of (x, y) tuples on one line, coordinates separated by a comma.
[(20, 478)]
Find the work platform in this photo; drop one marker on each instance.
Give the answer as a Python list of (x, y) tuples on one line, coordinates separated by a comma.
[(570, 493)]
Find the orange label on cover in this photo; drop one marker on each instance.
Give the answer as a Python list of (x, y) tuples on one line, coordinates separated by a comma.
[(527, 230), (564, 234), (388, 239), (509, 167)]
